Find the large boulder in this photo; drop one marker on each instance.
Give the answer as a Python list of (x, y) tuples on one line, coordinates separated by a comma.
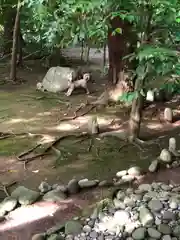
[(56, 79)]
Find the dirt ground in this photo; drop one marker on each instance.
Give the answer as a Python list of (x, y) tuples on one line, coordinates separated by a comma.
[(24, 110)]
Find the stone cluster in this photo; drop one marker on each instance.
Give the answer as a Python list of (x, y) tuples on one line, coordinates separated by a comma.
[(151, 211)]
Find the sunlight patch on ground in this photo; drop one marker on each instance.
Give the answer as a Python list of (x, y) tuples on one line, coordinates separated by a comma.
[(46, 139), (28, 214), (64, 127), (44, 114), (21, 120)]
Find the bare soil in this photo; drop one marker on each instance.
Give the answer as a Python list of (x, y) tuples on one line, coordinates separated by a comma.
[(24, 110)]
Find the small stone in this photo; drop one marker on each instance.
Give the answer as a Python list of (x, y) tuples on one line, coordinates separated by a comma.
[(39, 236), (61, 188), (146, 217), (73, 186), (121, 217), (73, 228), (8, 204), (121, 173), (54, 196), (134, 171), (167, 215), (127, 178), (44, 187), (24, 195), (120, 195), (87, 229), (176, 231), (145, 187), (55, 237), (154, 233), (87, 183), (153, 166), (164, 229), (165, 156), (105, 183), (139, 234), (166, 237), (155, 205), (93, 234)]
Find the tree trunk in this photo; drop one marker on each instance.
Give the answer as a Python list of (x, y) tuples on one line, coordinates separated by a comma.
[(136, 113), (104, 55), (9, 15), (15, 43), (119, 45)]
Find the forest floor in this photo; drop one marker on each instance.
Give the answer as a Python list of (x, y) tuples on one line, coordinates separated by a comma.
[(24, 110)]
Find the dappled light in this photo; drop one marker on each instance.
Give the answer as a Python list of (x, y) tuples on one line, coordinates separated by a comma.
[(21, 120)]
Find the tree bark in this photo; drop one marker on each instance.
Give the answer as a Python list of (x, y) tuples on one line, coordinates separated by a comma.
[(136, 113), (15, 43), (9, 15)]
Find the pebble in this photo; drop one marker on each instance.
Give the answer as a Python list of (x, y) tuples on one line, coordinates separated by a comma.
[(73, 186), (155, 205), (121, 173), (139, 233), (153, 233), (134, 171)]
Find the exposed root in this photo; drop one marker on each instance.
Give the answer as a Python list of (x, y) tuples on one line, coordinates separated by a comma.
[(28, 151), (4, 188), (78, 115)]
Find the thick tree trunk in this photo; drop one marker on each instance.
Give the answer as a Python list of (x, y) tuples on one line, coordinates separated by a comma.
[(15, 43), (119, 45), (9, 19)]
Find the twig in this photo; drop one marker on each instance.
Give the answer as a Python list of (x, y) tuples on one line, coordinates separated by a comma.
[(28, 151), (4, 187), (31, 54), (75, 114), (90, 146)]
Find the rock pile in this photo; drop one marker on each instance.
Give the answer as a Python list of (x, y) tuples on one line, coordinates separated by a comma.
[(151, 211)]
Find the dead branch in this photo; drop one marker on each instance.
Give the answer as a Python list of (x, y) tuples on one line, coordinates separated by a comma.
[(28, 151), (25, 57), (4, 187), (78, 115)]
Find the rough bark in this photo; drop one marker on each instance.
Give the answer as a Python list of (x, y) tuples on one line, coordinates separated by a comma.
[(119, 45), (15, 43), (136, 113), (9, 15)]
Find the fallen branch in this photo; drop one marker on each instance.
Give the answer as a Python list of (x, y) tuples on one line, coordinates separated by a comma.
[(4, 187), (28, 151), (78, 115)]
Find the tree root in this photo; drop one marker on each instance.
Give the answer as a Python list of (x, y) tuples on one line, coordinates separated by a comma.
[(28, 151), (78, 115), (4, 188)]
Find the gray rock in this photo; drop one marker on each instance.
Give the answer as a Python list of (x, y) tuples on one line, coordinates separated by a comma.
[(44, 187), (146, 217), (139, 233), (166, 187), (73, 228), (87, 183), (8, 204), (121, 173), (129, 202), (155, 205), (176, 231), (101, 237), (165, 156), (153, 233), (62, 188), (73, 186), (54, 196), (24, 195), (105, 183), (95, 213), (39, 236), (166, 237), (145, 187), (167, 215), (153, 166), (134, 171), (164, 229), (87, 229), (93, 234), (127, 178)]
